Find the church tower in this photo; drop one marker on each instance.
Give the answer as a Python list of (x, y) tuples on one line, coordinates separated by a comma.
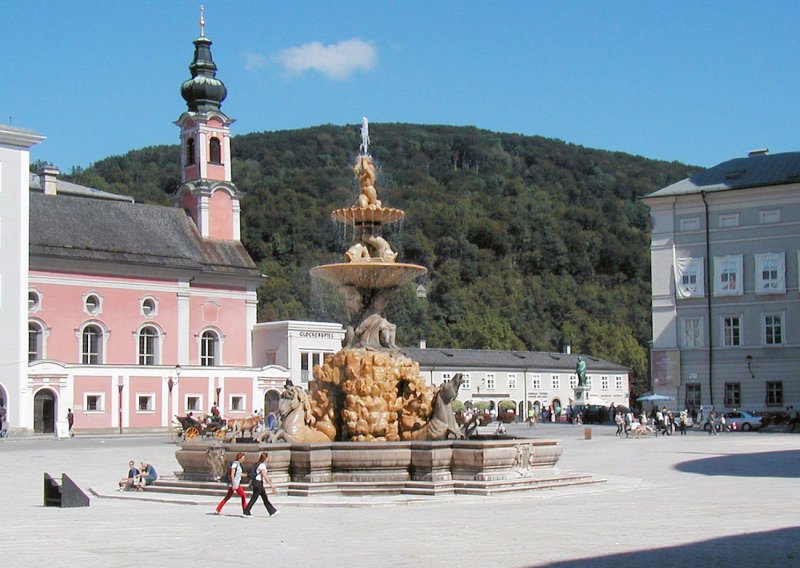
[(206, 191)]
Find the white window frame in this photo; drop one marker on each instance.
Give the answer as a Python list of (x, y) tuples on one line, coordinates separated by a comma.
[(36, 306), (101, 402), (536, 381), (97, 309), (217, 358), (727, 339), (573, 381), (155, 356), (148, 307), (101, 349), (728, 272), (690, 224), (619, 382), (774, 264), (555, 382), (512, 381), (689, 277), (242, 398), (781, 325), (151, 407), (769, 216), (467, 381), (491, 381), (728, 220), (604, 382), (692, 332), (190, 395), (41, 344)]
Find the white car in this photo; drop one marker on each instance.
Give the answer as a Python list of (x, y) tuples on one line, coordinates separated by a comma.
[(739, 420)]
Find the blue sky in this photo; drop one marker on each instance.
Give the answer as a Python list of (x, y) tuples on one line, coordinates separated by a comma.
[(693, 81)]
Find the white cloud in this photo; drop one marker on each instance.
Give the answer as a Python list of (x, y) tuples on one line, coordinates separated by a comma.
[(336, 61), (255, 61)]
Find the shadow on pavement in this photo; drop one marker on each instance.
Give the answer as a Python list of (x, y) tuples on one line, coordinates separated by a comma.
[(764, 464), (777, 548)]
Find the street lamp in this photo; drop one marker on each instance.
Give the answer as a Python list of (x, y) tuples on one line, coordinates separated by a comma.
[(749, 360), (120, 386), (171, 384)]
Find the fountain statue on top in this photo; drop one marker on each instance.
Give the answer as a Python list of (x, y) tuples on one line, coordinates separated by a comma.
[(369, 391)]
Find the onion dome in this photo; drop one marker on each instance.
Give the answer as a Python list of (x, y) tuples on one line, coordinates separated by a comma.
[(203, 92)]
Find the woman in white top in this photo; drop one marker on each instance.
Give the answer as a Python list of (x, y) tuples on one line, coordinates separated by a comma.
[(258, 487)]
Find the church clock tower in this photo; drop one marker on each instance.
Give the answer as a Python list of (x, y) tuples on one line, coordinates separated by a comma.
[(206, 189)]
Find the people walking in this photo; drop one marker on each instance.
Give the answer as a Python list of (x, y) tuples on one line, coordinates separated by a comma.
[(620, 422), (684, 418), (712, 423), (234, 484), (258, 482), (70, 421)]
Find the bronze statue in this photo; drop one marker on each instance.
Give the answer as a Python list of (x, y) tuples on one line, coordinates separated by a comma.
[(580, 370)]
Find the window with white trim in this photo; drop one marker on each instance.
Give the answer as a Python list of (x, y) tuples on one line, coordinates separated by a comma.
[(512, 381), (728, 275), (237, 403), (770, 216), (491, 382), (34, 301), (35, 341), (536, 382), (773, 328), (467, 381), (726, 220), (603, 382), (148, 346), (689, 274), (731, 331), (618, 382), (93, 402), (733, 395), (774, 393), (692, 333), (193, 402), (149, 307), (770, 273), (92, 345), (573, 381), (92, 304), (145, 402), (555, 382), (209, 348)]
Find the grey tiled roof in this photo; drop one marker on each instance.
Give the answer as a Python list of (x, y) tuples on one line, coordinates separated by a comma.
[(69, 188), (469, 358), (739, 173), (63, 226)]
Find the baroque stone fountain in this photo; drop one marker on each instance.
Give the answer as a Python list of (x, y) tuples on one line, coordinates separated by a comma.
[(369, 422)]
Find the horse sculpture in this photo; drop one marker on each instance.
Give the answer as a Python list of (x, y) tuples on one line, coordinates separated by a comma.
[(296, 419), (442, 423)]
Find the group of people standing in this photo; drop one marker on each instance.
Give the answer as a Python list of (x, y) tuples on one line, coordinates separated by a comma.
[(660, 421), (258, 479)]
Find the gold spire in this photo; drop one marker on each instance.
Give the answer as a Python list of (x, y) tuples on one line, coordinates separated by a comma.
[(202, 21)]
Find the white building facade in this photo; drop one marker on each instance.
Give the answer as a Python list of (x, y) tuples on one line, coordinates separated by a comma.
[(725, 252)]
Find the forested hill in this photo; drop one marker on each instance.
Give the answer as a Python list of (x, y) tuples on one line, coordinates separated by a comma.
[(530, 242)]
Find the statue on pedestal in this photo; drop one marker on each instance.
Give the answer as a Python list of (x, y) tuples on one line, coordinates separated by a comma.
[(580, 370)]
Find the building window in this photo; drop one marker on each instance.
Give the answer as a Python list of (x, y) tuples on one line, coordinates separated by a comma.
[(491, 383), (775, 393), (148, 346), (536, 382), (209, 346), (731, 331), (769, 217), (93, 402), (149, 307), (34, 301), (555, 382), (91, 345), (190, 151), (305, 366), (214, 151), (145, 403), (35, 342), (512, 381), (689, 276), (237, 403), (618, 383), (728, 220), (690, 224), (692, 394), (194, 402), (770, 273), (692, 333), (573, 381), (603, 383), (728, 275), (92, 304), (467, 382), (733, 395), (773, 329)]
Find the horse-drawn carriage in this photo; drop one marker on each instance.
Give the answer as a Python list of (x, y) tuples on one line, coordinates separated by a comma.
[(192, 429)]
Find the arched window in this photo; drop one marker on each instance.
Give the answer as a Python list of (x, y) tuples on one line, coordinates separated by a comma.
[(92, 345), (35, 342), (209, 349), (148, 346), (189, 151), (214, 151)]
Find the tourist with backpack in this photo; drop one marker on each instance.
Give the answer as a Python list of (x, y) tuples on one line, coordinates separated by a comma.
[(234, 479), (258, 477)]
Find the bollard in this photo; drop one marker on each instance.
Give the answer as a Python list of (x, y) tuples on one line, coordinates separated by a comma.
[(587, 433)]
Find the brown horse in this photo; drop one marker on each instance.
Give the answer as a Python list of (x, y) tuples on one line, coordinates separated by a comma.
[(236, 427)]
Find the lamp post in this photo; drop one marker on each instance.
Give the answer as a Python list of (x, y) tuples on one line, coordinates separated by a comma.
[(120, 386), (171, 384)]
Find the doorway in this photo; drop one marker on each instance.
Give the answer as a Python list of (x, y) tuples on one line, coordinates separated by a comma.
[(44, 412)]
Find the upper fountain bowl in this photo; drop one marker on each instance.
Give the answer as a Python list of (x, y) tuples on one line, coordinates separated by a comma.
[(367, 215), (369, 275)]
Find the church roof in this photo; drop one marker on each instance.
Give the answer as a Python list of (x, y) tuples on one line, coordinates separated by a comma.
[(457, 359), (759, 170), (70, 227), (69, 188)]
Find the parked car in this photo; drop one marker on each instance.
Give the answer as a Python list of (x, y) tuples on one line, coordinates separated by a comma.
[(739, 420)]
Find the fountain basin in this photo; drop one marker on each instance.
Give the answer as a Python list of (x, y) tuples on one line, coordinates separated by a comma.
[(369, 275), (367, 215)]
